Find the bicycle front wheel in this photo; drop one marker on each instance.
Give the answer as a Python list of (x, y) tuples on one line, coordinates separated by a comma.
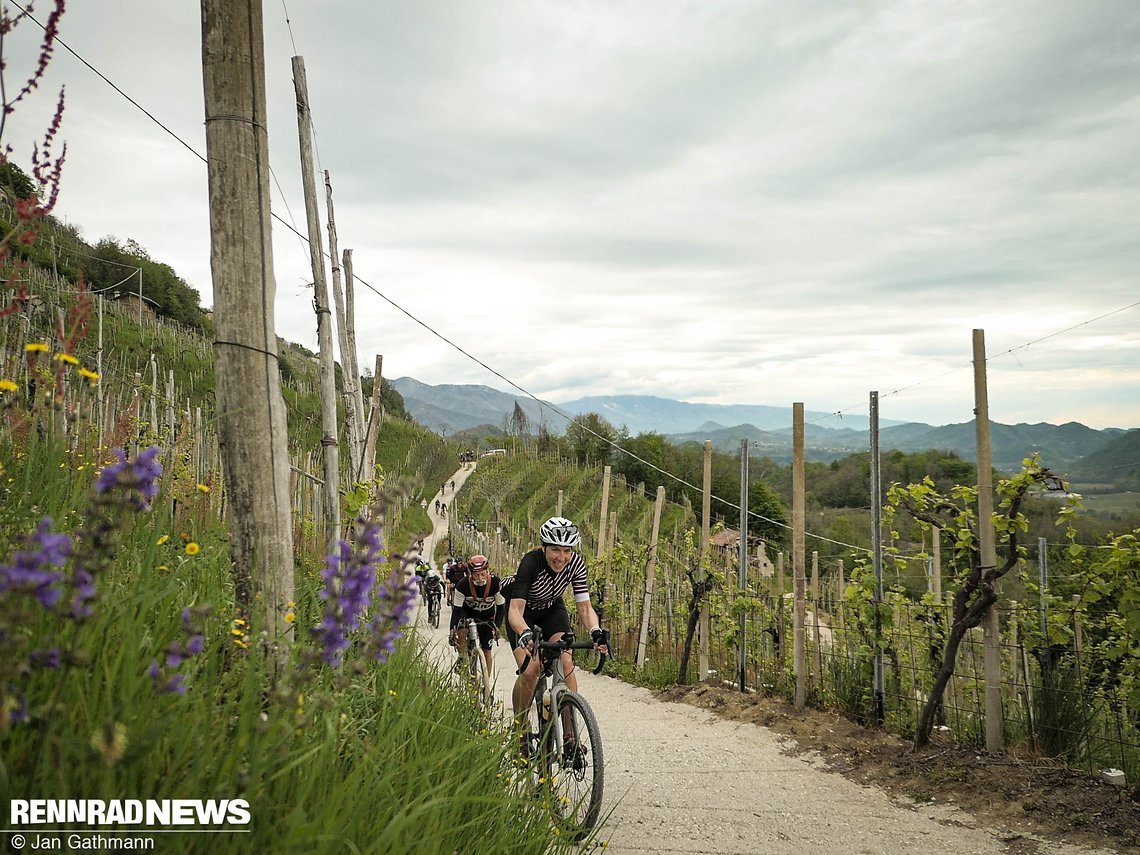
[(480, 676), (579, 768)]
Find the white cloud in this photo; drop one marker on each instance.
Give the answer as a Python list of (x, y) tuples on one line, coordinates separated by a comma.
[(733, 202)]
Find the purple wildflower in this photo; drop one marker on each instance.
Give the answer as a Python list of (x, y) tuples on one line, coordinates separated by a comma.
[(177, 652), (140, 474), (17, 712), (51, 658), (394, 603), (83, 587), (349, 576), (175, 685), (30, 569)]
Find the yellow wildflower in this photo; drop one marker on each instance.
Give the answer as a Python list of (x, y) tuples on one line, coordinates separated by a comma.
[(88, 374), (290, 617), (111, 741), (66, 357), (162, 540), (163, 567), (392, 692), (202, 488), (192, 548), (36, 347), (8, 386)]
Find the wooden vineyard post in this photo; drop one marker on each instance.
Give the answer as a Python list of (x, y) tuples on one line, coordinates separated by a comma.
[(650, 571), (329, 438), (250, 408)]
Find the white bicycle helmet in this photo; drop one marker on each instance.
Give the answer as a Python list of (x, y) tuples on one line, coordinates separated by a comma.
[(559, 531)]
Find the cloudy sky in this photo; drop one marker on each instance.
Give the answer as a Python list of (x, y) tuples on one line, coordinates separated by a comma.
[(731, 202)]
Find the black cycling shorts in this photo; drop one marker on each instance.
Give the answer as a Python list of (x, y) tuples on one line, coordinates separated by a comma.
[(484, 626), (552, 620)]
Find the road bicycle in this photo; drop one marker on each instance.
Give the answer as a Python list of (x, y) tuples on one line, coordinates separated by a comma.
[(434, 602), (566, 748), (473, 665)]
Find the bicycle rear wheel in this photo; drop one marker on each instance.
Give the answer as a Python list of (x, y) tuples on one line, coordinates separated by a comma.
[(578, 774)]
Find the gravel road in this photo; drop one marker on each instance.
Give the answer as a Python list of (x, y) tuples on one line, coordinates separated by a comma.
[(680, 780)]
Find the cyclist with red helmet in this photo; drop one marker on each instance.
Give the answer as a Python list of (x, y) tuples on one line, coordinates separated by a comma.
[(480, 597), (534, 596)]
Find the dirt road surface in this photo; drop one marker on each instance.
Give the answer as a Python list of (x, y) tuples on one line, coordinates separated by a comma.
[(680, 780)]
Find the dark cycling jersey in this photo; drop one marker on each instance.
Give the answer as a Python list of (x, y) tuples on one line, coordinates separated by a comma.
[(480, 601), (540, 587), (456, 573)]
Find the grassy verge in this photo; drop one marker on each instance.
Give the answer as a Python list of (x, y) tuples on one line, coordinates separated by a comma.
[(161, 693)]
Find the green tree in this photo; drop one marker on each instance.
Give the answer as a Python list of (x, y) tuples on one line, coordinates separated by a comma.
[(590, 438)]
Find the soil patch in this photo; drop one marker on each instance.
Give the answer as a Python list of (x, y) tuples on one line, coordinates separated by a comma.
[(1017, 796)]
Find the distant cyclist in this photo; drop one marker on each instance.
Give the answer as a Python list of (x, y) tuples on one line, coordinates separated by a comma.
[(534, 597), (433, 594), (454, 572)]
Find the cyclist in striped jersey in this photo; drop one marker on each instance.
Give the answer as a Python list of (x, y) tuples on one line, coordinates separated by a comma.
[(534, 597)]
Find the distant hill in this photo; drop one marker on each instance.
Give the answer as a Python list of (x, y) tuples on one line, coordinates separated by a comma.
[(645, 413), (1059, 445), (1116, 463), (464, 406), (452, 408), (448, 408)]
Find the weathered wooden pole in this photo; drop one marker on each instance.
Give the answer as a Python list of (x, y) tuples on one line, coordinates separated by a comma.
[(877, 689), (350, 336), (605, 509), (329, 442), (353, 428), (367, 470), (650, 571), (706, 527), (799, 577), (991, 659), (742, 570), (250, 409)]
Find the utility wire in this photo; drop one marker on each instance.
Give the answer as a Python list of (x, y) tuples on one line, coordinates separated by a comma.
[(481, 363)]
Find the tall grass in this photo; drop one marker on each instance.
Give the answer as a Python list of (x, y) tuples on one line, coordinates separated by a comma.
[(366, 757)]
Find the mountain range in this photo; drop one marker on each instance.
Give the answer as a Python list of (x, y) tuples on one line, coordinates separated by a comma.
[(1071, 446)]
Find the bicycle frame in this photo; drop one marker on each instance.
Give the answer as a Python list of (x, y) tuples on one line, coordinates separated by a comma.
[(552, 678), (570, 763)]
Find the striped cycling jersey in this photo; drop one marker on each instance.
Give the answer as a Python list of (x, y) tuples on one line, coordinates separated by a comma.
[(541, 588), (479, 600)]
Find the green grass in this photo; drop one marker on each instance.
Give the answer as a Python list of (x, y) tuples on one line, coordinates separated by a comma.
[(365, 758)]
